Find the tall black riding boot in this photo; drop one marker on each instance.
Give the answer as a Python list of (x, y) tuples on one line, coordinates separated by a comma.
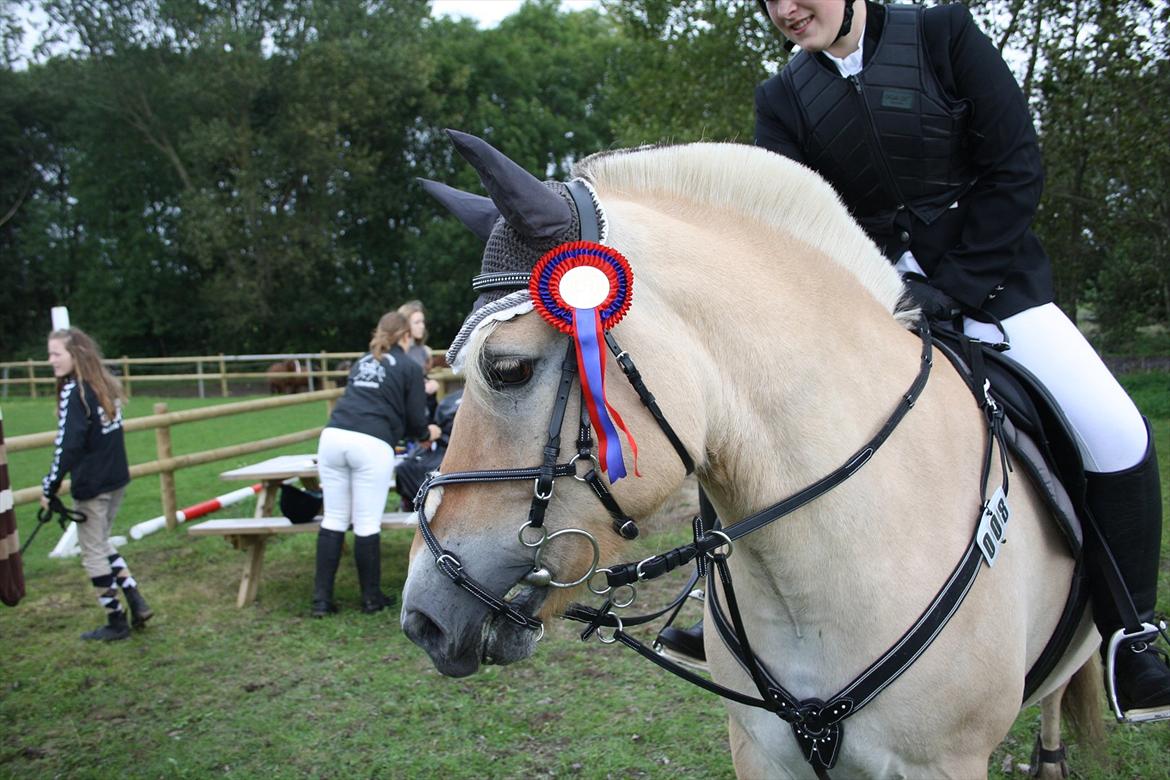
[(1128, 507), (367, 553), (328, 556)]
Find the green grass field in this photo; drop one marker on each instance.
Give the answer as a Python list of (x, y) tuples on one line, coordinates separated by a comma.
[(209, 690)]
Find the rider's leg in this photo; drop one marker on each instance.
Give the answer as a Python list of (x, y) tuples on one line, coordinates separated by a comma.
[(1121, 474)]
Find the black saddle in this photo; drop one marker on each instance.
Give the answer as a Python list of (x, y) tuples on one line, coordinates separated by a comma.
[(1036, 431)]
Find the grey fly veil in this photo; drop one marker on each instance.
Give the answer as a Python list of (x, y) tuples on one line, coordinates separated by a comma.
[(521, 220)]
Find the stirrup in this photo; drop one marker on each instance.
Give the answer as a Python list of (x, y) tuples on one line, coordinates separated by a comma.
[(1147, 631), (680, 659)]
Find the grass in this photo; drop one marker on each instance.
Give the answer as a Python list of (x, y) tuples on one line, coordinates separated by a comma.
[(210, 690)]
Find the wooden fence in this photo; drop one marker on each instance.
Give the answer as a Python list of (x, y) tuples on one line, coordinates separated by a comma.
[(36, 377), (168, 463)]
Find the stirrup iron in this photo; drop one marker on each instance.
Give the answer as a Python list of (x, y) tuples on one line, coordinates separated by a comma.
[(1148, 631)]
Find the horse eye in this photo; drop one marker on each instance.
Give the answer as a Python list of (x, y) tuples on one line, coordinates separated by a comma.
[(508, 372)]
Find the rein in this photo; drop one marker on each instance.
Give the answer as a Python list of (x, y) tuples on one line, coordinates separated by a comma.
[(45, 514)]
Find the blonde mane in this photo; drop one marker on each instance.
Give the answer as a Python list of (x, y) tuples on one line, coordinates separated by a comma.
[(776, 191)]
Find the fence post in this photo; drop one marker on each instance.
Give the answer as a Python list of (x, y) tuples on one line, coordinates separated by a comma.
[(223, 376), (126, 375), (199, 371), (309, 370), (32, 380), (166, 479)]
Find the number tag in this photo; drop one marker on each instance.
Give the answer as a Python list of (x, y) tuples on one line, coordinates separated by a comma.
[(993, 526)]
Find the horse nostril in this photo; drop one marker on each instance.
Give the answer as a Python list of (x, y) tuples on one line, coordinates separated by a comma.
[(423, 631)]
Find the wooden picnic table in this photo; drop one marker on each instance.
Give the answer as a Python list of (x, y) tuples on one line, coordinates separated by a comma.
[(271, 473), (251, 534)]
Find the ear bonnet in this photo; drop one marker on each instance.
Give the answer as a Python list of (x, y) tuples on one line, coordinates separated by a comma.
[(522, 220)]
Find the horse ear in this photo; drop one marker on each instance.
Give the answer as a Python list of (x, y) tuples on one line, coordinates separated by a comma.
[(533, 210), (477, 213)]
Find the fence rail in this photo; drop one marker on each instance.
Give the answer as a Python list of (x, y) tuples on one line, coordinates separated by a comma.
[(167, 463), (35, 376)]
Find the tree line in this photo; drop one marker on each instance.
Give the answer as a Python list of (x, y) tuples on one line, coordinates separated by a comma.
[(241, 176)]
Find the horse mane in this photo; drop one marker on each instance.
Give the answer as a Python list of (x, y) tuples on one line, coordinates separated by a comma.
[(774, 190)]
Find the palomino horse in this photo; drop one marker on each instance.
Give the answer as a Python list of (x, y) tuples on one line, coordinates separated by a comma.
[(768, 327)]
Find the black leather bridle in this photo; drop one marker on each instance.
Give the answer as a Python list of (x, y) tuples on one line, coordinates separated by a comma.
[(817, 724)]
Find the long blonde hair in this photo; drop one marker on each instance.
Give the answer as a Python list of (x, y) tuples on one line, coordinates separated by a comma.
[(390, 330), (89, 369)]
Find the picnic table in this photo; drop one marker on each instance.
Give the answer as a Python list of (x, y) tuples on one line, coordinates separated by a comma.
[(272, 473), (252, 534)]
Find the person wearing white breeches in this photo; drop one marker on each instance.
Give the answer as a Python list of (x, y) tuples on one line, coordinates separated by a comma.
[(918, 123), (384, 402)]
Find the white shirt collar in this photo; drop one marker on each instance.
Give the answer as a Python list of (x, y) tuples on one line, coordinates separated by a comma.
[(850, 65)]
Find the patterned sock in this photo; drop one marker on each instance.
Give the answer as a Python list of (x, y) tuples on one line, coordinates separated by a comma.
[(107, 594), (121, 572)]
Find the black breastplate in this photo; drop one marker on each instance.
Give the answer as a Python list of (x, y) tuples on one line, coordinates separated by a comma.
[(889, 137)]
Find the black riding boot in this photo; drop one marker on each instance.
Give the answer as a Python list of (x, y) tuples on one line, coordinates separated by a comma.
[(367, 553), (328, 556), (115, 628), (1128, 507), (686, 642)]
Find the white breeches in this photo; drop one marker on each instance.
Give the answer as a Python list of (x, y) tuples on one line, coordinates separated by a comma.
[(1109, 429), (356, 471)]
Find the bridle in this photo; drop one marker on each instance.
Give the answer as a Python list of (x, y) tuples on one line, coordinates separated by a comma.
[(817, 724)]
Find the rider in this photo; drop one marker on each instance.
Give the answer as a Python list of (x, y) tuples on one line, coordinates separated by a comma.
[(917, 122)]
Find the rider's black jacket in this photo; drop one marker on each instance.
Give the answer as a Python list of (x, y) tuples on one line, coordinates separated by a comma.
[(384, 398), (89, 445), (931, 147)]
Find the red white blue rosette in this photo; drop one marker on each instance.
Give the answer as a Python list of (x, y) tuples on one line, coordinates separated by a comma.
[(583, 289)]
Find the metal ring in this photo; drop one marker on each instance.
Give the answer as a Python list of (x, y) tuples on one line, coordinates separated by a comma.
[(726, 540), (607, 587), (619, 602), (613, 636), (536, 490), (538, 542), (540, 636), (455, 562), (592, 567), (576, 458)]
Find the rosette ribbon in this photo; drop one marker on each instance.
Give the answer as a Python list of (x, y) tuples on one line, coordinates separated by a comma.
[(583, 289)]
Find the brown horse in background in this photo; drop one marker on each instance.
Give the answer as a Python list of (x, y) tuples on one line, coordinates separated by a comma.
[(287, 385)]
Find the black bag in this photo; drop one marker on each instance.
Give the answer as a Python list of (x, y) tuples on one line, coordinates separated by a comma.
[(300, 506)]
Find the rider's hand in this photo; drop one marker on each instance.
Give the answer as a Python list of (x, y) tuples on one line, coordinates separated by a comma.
[(935, 304), (44, 502)]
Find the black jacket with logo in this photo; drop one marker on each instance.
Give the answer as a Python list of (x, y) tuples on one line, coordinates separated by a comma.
[(901, 154), (384, 398), (89, 445)]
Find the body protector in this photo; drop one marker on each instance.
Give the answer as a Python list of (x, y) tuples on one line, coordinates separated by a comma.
[(888, 138)]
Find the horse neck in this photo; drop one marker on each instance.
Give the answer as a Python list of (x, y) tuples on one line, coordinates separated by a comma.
[(798, 366)]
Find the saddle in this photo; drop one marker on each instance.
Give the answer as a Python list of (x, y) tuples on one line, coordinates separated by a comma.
[(1038, 434), (1035, 429)]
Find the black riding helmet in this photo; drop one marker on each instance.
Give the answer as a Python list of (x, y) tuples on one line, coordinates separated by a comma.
[(846, 22)]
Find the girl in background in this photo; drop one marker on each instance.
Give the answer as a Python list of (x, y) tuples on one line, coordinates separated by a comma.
[(90, 446), (384, 402)]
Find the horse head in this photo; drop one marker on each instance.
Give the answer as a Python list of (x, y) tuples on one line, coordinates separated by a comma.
[(515, 364)]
